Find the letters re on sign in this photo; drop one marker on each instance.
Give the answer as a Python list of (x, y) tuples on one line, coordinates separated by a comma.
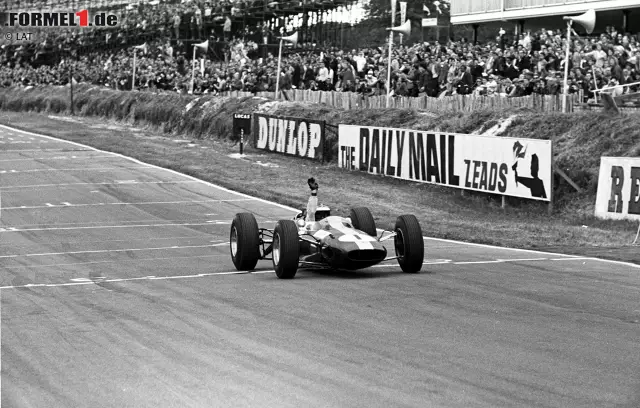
[(618, 194), (291, 136), (501, 165)]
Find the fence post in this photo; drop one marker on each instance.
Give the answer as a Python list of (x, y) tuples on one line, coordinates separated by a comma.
[(551, 187), (71, 88), (323, 139)]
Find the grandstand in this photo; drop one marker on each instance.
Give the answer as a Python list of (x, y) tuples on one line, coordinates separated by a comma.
[(189, 21), (243, 41)]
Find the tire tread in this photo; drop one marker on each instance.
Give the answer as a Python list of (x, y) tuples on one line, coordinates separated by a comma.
[(289, 250), (362, 220), (414, 243), (248, 241)]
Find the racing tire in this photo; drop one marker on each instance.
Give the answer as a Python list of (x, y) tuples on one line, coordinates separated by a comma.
[(409, 243), (286, 249), (362, 220), (244, 241)]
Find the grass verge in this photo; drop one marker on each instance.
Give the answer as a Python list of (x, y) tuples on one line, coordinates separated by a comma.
[(442, 211)]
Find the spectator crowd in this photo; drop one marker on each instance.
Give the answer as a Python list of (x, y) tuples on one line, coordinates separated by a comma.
[(531, 63)]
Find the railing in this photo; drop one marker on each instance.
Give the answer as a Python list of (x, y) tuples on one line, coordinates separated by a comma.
[(609, 88), (454, 103)]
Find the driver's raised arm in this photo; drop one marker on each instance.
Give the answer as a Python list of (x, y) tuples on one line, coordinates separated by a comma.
[(312, 204)]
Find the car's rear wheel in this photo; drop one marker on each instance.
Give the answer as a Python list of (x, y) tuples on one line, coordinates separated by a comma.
[(244, 241), (286, 249), (362, 219), (409, 243)]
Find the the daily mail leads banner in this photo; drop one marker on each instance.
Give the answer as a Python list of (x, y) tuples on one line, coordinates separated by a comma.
[(618, 194), (291, 136), (508, 166)]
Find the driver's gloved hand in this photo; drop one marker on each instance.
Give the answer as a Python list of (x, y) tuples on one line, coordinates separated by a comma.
[(313, 185)]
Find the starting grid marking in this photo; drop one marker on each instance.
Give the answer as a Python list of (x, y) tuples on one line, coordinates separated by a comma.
[(106, 251), (59, 158), (101, 280), (89, 227), (108, 183), (11, 142), (75, 169), (111, 261), (69, 205)]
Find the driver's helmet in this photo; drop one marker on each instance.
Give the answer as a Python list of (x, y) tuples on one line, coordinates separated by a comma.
[(322, 212)]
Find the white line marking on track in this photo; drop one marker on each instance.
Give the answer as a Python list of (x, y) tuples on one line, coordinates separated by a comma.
[(190, 240), (293, 210), (500, 261), (577, 258), (48, 205), (77, 169), (119, 261), (143, 278), (99, 184), (88, 223), (92, 279), (42, 150), (104, 251), (523, 259), (426, 262), (56, 158)]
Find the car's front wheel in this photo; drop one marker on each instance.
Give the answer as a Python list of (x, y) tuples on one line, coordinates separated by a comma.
[(409, 243), (244, 241), (286, 249), (362, 220)]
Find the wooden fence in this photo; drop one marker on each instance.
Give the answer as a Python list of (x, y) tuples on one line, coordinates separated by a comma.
[(455, 103)]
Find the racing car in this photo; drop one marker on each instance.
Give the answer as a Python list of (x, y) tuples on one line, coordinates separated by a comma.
[(333, 242)]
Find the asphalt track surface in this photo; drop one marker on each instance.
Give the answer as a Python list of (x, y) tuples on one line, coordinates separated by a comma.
[(118, 291)]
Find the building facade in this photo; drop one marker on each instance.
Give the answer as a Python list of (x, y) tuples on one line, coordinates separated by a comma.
[(624, 14)]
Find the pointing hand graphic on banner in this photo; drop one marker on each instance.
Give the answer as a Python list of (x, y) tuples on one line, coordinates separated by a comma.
[(519, 152)]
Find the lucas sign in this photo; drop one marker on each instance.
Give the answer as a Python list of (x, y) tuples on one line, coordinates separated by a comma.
[(291, 136), (500, 165), (618, 194)]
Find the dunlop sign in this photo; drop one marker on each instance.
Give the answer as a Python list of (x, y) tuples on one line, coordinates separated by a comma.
[(290, 136), (507, 166), (618, 195)]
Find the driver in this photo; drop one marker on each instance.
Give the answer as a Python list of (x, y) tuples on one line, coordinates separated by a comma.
[(314, 213), (312, 204)]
